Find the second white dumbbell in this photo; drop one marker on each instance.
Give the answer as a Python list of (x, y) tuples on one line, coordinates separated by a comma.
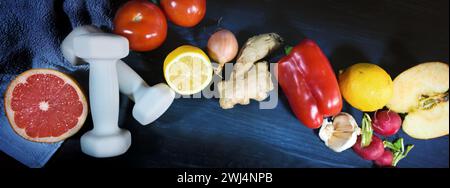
[(150, 102)]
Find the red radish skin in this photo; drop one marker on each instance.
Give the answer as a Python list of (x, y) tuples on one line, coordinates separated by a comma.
[(386, 123), (385, 160), (371, 152)]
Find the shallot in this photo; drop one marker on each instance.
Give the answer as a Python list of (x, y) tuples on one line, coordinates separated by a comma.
[(222, 48)]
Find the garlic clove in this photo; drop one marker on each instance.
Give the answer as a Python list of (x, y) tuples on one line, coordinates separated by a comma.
[(339, 133), (326, 130)]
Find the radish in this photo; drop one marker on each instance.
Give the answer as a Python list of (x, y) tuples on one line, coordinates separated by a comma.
[(386, 123), (372, 152), (385, 160)]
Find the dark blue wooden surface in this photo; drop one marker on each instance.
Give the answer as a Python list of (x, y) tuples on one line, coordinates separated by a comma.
[(198, 133)]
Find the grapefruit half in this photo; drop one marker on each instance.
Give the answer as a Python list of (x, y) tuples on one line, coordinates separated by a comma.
[(44, 105)]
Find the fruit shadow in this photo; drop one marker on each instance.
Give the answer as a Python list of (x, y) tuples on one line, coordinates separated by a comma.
[(346, 55), (115, 5), (396, 58), (11, 68), (62, 20)]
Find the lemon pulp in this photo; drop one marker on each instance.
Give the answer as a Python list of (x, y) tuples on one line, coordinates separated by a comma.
[(188, 70)]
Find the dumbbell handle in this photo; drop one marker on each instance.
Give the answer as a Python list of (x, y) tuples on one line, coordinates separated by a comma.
[(104, 96), (130, 83)]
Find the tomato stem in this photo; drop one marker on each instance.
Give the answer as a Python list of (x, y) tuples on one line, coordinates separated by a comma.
[(138, 17), (155, 2)]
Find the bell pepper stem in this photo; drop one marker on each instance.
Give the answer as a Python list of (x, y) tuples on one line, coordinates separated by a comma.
[(288, 49)]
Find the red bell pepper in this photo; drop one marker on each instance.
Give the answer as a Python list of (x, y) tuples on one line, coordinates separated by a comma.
[(309, 83)]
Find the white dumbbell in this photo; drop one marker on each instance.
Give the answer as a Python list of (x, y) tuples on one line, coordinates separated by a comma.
[(150, 102), (102, 51)]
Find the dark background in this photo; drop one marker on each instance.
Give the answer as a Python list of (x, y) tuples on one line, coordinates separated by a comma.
[(198, 133)]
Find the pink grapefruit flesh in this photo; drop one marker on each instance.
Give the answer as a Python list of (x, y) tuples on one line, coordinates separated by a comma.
[(44, 105)]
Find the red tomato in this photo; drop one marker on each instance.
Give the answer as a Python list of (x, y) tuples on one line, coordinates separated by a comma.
[(185, 13), (142, 23)]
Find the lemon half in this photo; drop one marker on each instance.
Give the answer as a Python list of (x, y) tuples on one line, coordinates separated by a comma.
[(187, 70)]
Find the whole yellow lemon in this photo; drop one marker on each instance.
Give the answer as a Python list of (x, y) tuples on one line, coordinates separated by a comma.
[(365, 86)]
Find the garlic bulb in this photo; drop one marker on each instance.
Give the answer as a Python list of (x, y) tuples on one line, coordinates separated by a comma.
[(340, 133)]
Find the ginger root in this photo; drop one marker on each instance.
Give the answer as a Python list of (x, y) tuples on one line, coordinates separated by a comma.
[(254, 84), (255, 49), (249, 80)]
